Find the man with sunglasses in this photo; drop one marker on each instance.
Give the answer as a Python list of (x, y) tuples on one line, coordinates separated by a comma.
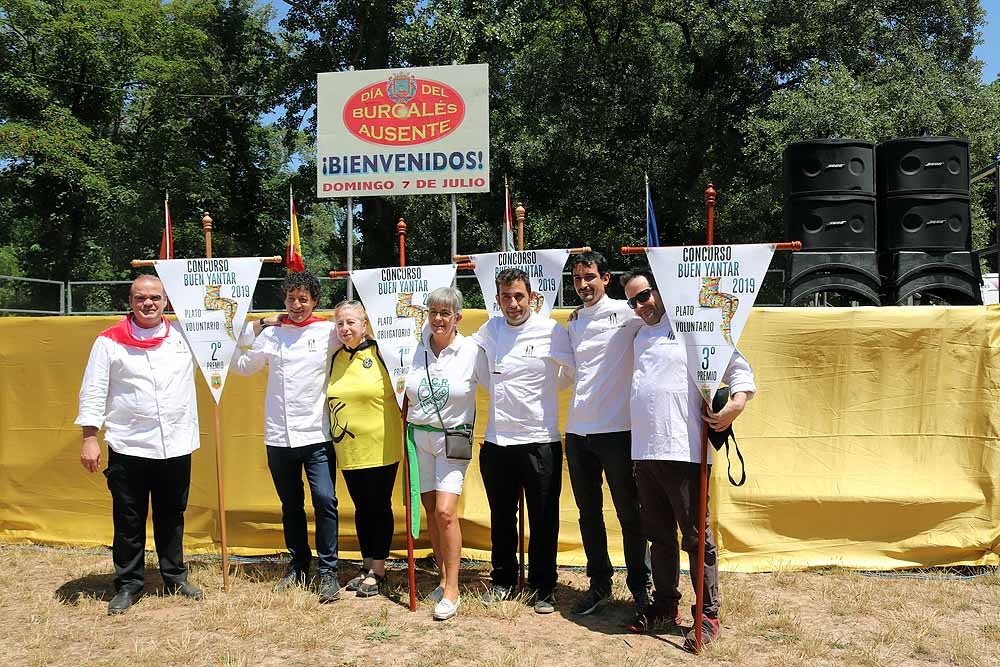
[(666, 448), (598, 437)]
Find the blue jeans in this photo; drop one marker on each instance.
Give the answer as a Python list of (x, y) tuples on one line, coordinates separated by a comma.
[(320, 463)]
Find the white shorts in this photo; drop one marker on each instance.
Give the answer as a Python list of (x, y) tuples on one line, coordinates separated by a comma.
[(437, 471)]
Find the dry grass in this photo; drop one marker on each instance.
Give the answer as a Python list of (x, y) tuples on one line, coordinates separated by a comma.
[(53, 605)]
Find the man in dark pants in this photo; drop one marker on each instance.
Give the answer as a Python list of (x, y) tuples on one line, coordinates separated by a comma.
[(526, 358), (139, 384), (666, 412), (598, 438)]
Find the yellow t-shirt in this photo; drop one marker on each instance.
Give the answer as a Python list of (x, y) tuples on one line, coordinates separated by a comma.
[(364, 417)]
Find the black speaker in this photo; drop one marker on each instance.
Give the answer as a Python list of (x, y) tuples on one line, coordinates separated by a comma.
[(950, 277), (852, 274), (926, 221), (923, 163), (829, 165), (831, 222)]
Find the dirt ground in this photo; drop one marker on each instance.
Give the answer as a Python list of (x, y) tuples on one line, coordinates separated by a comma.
[(53, 606)]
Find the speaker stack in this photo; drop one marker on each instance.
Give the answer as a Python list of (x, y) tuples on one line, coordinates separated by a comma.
[(830, 206), (925, 240)]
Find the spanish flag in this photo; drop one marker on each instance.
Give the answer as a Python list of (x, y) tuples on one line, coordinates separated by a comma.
[(293, 254)]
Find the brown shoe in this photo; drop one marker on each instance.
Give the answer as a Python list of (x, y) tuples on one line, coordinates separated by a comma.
[(710, 631)]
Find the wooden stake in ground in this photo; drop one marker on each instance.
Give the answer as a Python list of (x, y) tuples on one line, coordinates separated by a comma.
[(410, 566)]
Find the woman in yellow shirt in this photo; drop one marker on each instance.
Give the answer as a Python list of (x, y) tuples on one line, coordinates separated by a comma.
[(366, 428)]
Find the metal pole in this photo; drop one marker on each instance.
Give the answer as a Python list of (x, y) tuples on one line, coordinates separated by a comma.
[(350, 244), (454, 233), (996, 217), (454, 221), (206, 225)]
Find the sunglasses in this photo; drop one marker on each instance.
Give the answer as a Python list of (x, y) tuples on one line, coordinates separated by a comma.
[(641, 297)]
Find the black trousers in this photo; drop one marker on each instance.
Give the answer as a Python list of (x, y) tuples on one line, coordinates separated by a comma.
[(538, 468), (133, 480), (371, 492), (668, 497), (592, 458)]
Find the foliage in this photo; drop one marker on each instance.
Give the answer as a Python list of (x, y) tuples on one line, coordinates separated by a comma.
[(97, 119)]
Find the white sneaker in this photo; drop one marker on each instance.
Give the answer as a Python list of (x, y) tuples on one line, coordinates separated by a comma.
[(445, 609), (436, 595)]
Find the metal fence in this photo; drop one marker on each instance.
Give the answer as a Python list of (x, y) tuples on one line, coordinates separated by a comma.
[(31, 296), (27, 296)]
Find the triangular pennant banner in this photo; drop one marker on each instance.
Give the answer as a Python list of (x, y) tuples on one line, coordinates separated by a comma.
[(544, 269), (395, 299), (211, 298), (708, 292)]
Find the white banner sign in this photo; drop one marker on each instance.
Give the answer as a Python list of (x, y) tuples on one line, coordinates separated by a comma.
[(708, 292), (211, 298), (396, 302), (544, 269), (421, 130)]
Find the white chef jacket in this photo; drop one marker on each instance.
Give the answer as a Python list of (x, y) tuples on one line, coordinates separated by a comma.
[(144, 398), (602, 336), (526, 366), (298, 370), (666, 403)]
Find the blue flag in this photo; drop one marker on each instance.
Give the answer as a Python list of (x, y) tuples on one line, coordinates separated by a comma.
[(652, 237)]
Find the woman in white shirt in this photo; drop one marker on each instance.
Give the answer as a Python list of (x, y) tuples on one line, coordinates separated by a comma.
[(441, 391)]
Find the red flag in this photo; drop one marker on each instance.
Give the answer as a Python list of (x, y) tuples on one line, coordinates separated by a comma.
[(167, 241), (293, 253)]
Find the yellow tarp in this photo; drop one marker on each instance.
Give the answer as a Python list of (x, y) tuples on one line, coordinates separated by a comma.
[(872, 444)]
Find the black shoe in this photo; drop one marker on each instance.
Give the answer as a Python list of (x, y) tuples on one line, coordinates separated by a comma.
[(329, 588), (371, 590), (592, 601), (122, 600), (184, 588), (496, 594), (292, 577), (656, 617), (544, 602), (353, 584)]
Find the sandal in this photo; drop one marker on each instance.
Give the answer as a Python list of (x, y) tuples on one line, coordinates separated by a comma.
[(366, 590), (355, 583)]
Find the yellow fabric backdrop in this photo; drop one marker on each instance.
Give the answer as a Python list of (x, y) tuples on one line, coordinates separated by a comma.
[(872, 444)]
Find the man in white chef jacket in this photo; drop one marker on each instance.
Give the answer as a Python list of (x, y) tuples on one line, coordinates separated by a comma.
[(666, 413), (529, 359), (139, 385), (598, 437)]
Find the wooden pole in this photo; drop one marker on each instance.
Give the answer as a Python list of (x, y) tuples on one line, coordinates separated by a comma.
[(206, 226), (410, 565), (137, 263), (462, 259), (519, 215), (699, 605)]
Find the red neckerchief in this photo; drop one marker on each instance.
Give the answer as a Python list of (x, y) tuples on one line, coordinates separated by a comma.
[(122, 334), (286, 320)]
